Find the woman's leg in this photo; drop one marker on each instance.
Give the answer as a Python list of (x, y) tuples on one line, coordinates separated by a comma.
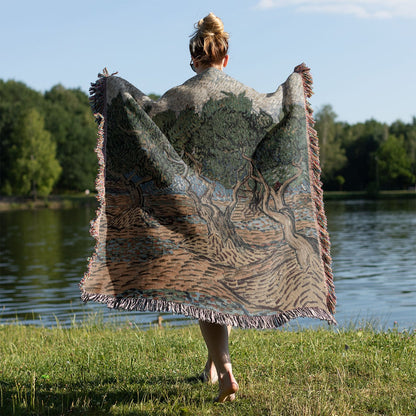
[(216, 339), (209, 374)]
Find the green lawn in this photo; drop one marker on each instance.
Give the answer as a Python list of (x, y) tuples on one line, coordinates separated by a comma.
[(109, 369)]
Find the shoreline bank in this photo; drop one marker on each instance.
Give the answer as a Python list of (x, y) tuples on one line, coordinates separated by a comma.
[(349, 195), (15, 203)]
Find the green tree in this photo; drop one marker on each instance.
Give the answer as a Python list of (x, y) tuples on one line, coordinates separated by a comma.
[(7, 121), (332, 154), (408, 132), (153, 96), (16, 98), (394, 164), (35, 169), (71, 123), (361, 142)]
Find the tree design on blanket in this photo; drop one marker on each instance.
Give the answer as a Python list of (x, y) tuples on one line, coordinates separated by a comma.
[(235, 181)]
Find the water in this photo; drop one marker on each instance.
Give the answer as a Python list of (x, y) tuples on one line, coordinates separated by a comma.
[(43, 257), (374, 261)]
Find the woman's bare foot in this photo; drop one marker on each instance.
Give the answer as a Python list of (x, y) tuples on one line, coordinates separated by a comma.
[(228, 388), (209, 375)]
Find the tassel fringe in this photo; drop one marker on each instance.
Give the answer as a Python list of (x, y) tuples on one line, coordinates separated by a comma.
[(98, 105), (317, 193), (242, 321)]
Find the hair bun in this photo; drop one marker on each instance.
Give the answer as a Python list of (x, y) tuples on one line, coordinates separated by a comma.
[(209, 43), (211, 25)]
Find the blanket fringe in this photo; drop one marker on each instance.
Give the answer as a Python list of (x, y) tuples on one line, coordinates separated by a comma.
[(317, 193), (242, 321), (98, 103)]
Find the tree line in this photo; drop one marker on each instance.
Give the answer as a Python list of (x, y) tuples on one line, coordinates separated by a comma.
[(47, 140), (369, 156), (47, 143)]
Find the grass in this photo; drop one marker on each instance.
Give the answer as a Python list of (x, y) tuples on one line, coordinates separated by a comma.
[(108, 369)]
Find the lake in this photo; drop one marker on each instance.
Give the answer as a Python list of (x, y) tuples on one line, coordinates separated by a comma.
[(43, 256)]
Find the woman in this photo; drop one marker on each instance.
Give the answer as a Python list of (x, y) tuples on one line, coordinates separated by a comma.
[(209, 49), (211, 203)]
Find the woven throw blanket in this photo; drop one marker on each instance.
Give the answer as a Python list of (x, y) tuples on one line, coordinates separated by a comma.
[(210, 202)]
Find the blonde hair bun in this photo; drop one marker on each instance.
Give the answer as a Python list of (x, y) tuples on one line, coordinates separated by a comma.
[(209, 43), (211, 25)]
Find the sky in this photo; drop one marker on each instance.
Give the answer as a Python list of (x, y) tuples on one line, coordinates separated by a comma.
[(362, 53)]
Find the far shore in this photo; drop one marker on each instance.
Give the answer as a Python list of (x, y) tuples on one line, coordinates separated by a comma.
[(65, 201), (347, 195)]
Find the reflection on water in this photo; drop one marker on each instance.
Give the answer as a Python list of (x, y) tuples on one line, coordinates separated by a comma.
[(43, 255)]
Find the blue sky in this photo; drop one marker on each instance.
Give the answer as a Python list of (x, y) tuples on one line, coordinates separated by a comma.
[(362, 53)]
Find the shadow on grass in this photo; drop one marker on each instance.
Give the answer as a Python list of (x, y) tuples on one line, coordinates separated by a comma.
[(101, 397)]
